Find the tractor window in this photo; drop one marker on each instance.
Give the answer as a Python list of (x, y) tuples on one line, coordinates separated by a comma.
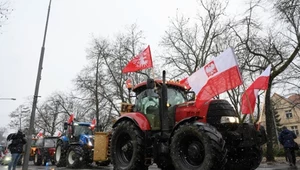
[(175, 97), (50, 143), (39, 142), (33, 141), (147, 104), (78, 130)]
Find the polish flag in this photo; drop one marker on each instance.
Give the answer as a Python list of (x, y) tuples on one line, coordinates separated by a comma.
[(185, 83), (128, 83), (140, 62), (216, 77), (249, 97), (40, 134), (71, 118), (93, 124), (59, 134)]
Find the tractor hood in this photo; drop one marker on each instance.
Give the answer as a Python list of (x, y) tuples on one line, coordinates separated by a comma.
[(189, 109)]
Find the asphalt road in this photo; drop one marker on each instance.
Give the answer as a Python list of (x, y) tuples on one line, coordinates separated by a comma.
[(263, 166)]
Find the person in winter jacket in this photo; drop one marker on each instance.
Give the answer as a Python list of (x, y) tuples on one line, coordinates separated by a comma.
[(286, 138), (16, 148)]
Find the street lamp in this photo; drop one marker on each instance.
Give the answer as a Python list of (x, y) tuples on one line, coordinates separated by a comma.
[(3, 98)]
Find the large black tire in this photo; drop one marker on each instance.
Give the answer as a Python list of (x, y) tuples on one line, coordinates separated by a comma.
[(37, 159), (197, 147), (60, 155), (244, 158), (127, 147), (75, 157)]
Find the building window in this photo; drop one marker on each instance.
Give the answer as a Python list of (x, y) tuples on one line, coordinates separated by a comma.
[(295, 130), (288, 114)]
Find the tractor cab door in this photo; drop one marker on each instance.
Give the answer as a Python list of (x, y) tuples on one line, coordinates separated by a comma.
[(147, 102)]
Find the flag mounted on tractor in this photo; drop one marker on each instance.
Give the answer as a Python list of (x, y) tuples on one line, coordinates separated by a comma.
[(140, 62), (216, 77), (250, 95)]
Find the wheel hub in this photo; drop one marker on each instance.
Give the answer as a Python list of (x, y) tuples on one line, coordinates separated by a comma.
[(194, 151)]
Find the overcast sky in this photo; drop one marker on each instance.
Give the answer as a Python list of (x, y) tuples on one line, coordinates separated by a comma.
[(71, 26)]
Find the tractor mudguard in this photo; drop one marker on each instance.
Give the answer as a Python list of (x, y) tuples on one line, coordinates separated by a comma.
[(64, 139), (139, 120), (189, 119)]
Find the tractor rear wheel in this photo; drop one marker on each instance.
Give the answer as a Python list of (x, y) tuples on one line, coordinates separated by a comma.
[(244, 158), (197, 147), (37, 159), (75, 157), (60, 155), (127, 147)]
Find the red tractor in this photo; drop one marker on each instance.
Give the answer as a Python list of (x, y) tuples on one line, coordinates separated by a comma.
[(165, 128), (45, 150)]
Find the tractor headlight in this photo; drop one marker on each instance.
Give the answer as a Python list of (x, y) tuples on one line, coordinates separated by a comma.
[(229, 119), (90, 143)]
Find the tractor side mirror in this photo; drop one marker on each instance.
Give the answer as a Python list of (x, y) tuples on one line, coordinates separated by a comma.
[(65, 126)]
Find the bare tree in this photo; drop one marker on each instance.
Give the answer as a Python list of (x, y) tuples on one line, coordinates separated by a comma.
[(4, 11), (101, 82), (20, 117), (188, 45)]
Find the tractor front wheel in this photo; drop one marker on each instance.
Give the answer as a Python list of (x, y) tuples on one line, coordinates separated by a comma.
[(197, 147), (75, 157), (244, 158), (60, 155), (37, 159), (127, 147)]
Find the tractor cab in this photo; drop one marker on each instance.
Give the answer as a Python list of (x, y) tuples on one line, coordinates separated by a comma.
[(78, 130), (149, 99)]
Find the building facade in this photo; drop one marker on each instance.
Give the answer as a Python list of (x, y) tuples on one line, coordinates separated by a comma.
[(288, 110)]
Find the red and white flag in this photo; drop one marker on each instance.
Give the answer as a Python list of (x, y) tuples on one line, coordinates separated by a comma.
[(40, 134), (128, 83), (93, 124), (185, 83), (250, 95), (71, 118), (216, 77), (58, 134), (140, 62)]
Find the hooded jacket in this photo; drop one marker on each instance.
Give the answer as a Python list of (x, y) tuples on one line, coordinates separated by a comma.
[(17, 143), (286, 138)]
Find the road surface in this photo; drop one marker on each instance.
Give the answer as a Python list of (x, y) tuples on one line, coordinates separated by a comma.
[(264, 166)]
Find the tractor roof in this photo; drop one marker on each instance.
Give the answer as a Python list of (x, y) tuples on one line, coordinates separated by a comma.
[(142, 86)]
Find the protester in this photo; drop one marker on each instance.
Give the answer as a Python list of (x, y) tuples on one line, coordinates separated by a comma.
[(286, 138), (16, 148)]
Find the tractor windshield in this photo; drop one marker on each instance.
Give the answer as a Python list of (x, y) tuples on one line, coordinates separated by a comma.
[(175, 97), (150, 105), (50, 143), (82, 129)]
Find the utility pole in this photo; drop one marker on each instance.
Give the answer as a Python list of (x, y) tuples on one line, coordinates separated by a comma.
[(35, 97)]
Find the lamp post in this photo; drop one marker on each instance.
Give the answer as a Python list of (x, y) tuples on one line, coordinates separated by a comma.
[(6, 98), (36, 95)]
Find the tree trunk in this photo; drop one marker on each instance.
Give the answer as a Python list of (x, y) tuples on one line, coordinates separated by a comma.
[(269, 124)]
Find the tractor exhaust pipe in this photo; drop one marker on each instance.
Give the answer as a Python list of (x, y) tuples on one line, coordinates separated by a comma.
[(164, 117)]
